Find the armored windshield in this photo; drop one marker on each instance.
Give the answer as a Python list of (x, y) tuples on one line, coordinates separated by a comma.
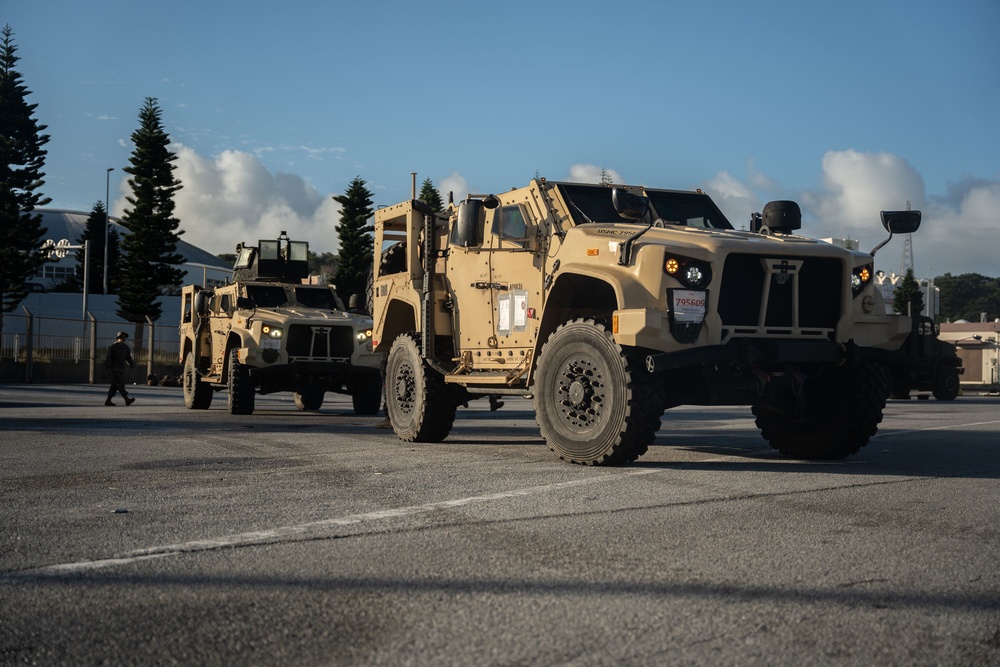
[(592, 203), (687, 209), (268, 296), (316, 297)]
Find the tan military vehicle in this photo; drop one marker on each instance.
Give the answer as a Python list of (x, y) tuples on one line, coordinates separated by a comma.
[(267, 332), (608, 305)]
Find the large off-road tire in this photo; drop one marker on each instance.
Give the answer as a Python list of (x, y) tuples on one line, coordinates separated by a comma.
[(420, 406), (197, 394), (309, 401), (946, 383), (836, 414), (241, 389), (595, 403), (366, 391)]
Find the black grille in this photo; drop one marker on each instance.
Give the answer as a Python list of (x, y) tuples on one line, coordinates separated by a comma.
[(820, 289), (320, 342)]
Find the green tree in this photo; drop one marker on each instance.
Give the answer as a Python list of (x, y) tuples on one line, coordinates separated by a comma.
[(908, 298), (21, 161), (966, 296), (93, 231), (430, 196), (150, 247), (355, 258), (324, 264)]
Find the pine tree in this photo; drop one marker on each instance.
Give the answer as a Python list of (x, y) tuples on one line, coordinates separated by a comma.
[(21, 162), (430, 196), (908, 299), (94, 232), (150, 248), (355, 257)]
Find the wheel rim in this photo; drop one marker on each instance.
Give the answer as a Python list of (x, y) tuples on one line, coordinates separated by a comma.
[(405, 388), (581, 393)]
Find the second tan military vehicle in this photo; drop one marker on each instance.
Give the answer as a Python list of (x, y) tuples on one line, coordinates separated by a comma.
[(268, 332)]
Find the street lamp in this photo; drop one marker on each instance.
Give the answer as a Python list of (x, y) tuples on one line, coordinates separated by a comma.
[(107, 223), (59, 250)]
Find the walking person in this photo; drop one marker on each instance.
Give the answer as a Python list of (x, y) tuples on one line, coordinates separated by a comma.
[(119, 354)]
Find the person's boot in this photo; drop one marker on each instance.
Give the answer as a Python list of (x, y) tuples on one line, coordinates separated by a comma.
[(109, 403), (129, 401), (495, 403)]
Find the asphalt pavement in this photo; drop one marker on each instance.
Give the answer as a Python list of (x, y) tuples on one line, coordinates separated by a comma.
[(154, 535)]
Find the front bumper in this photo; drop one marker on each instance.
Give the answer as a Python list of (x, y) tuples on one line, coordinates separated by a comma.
[(770, 353)]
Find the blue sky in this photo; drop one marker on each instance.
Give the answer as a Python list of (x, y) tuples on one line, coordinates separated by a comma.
[(848, 108)]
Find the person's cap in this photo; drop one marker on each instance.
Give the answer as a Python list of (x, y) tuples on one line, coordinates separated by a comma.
[(120, 335)]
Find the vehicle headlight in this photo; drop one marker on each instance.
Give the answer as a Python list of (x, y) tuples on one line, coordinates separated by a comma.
[(860, 278), (692, 273), (273, 332), (364, 335)]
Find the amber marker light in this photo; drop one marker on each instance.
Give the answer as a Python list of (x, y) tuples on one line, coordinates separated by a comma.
[(672, 266), (614, 324), (593, 252)]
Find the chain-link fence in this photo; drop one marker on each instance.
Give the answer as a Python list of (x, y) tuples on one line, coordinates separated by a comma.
[(56, 349)]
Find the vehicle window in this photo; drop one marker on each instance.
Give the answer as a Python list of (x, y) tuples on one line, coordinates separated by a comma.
[(243, 261), (509, 223), (688, 209), (268, 296), (590, 203), (315, 297)]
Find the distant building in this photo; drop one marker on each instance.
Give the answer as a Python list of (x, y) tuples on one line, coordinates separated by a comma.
[(932, 295), (200, 267)]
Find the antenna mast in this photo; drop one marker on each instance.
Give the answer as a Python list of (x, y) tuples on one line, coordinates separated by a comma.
[(907, 262)]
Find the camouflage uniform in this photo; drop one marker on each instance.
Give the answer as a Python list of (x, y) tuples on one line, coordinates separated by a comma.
[(119, 354)]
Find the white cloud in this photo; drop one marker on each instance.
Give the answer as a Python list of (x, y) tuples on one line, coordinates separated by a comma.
[(960, 231), (232, 198), (456, 184), (736, 199), (859, 185)]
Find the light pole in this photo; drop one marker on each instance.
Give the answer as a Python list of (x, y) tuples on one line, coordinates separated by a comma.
[(107, 224), (930, 306)]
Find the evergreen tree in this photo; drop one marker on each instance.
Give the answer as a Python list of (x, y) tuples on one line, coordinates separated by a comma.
[(967, 296), (150, 248), (908, 298), (430, 196), (21, 162), (94, 232), (324, 264), (355, 258)]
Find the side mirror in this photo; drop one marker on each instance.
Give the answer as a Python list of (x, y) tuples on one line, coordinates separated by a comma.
[(898, 222), (901, 222), (201, 302), (629, 205), (468, 229)]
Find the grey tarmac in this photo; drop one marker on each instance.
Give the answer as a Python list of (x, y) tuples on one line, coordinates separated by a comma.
[(158, 535)]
